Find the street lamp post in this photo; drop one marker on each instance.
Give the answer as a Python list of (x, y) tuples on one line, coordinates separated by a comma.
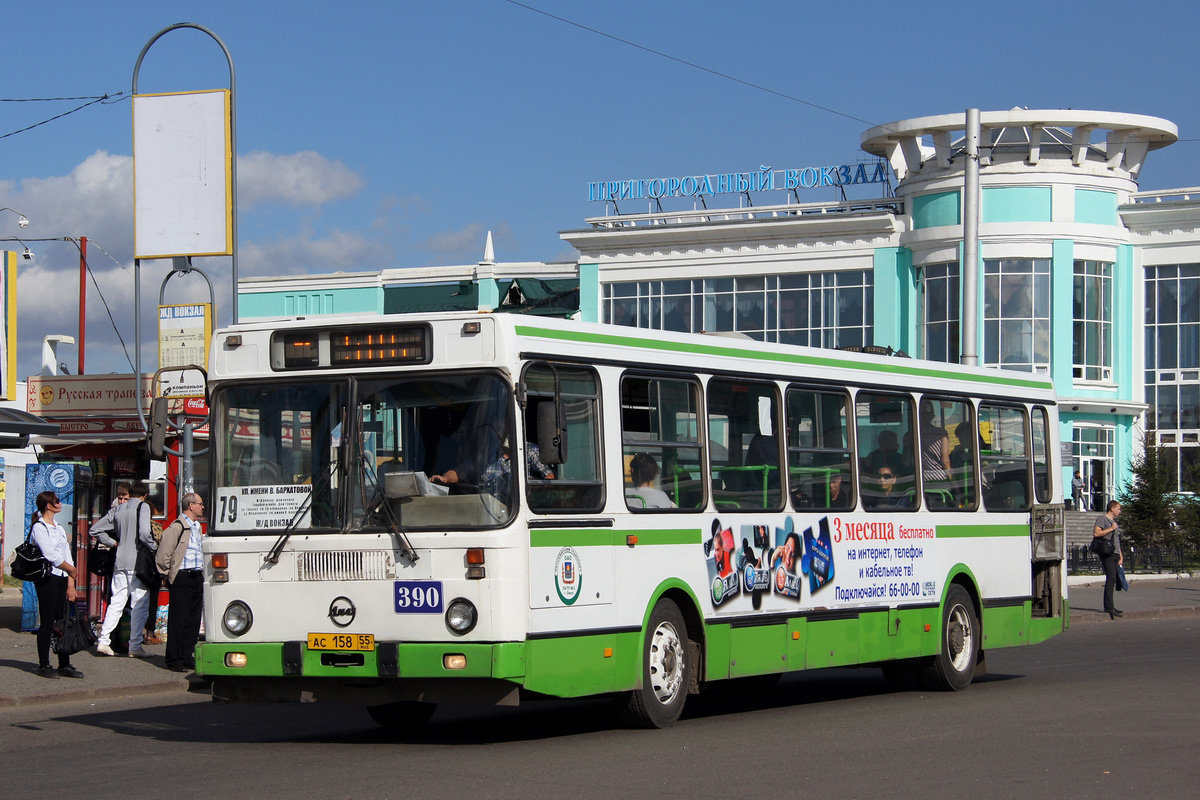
[(22, 220)]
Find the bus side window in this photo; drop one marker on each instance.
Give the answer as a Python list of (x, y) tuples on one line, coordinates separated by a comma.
[(577, 484), (884, 423), (820, 456), (948, 445), (742, 419), (1041, 456), (660, 428), (1004, 457)]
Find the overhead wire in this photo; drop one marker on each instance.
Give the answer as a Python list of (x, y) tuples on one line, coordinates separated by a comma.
[(693, 64), (107, 310), (709, 70), (92, 101)]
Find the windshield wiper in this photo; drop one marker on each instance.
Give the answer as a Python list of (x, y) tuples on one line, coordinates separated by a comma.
[(406, 548), (272, 556)]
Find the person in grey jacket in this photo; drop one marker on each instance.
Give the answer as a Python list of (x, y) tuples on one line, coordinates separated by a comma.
[(123, 530), (1106, 528)]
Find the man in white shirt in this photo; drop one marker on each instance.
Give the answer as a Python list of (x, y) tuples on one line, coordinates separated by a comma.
[(180, 559)]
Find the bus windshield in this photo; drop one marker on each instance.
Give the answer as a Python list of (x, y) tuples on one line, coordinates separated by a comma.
[(275, 456), (434, 452)]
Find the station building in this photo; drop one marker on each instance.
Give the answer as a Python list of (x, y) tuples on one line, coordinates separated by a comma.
[(1082, 277)]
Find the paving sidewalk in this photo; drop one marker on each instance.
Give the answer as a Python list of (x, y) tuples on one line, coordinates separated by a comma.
[(104, 676), (1149, 597), (121, 676)]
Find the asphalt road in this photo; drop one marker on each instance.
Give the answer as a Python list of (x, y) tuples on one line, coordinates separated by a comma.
[(1106, 710)]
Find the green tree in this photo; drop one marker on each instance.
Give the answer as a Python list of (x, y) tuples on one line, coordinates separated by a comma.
[(1147, 509), (1187, 510)]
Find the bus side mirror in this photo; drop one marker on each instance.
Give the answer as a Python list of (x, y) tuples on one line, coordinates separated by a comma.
[(158, 427), (551, 439)]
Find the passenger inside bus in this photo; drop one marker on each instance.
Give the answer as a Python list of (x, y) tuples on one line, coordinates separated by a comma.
[(935, 458), (839, 494), (495, 476), (885, 454), (884, 494), (643, 470)]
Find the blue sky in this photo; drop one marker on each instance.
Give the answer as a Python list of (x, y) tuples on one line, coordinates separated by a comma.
[(380, 135)]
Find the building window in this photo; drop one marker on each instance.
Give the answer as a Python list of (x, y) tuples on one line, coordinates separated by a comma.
[(1016, 316), (1093, 448), (822, 309), (940, 295), (1173, 365), (1093, 320)]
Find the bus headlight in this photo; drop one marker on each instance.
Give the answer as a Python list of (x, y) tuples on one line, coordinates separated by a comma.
[(461, 616), (237, 618)]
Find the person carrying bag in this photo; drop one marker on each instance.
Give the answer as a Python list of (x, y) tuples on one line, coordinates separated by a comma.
[(57, 589), (28, 563), (1106, 544), (131, 533), (72, 634), (144, 567)]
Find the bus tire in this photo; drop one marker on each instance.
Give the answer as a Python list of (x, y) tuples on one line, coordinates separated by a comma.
[(666, 671), (401, 717), (953, 668)]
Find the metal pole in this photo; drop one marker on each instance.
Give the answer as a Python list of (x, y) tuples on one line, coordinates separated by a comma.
[(82, 298), (137, 283), (969, 334), (187, 482)]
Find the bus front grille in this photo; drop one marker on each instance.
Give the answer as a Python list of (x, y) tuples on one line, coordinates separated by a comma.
[(345, 565)]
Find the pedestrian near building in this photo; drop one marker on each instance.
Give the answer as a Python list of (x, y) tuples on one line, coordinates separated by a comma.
[(129, 525), (106, 523), (1077, 491), (58, 588), (180, 560), (1106, 528)]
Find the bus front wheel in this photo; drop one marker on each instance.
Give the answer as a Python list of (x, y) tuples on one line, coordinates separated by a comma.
[(666, 671), (400, 717), (953, 668)]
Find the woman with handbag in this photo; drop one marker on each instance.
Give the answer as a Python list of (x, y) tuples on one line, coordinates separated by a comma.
[(58, 588), (1107, 544)]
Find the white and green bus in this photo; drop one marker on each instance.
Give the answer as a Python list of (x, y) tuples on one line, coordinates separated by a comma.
[(684, 509)]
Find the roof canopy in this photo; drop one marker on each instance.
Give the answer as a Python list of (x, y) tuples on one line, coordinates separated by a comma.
[(1126, 137), (16, 426)]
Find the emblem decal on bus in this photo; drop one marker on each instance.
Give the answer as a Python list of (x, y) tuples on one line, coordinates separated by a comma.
[(568, 575), (342, 611)]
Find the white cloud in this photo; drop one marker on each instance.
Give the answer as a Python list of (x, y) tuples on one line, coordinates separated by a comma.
[(340, 251), (466, 244), (94, 199), (298, 179)]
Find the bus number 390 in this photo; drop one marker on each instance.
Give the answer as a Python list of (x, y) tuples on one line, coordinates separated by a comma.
[(418, 597)]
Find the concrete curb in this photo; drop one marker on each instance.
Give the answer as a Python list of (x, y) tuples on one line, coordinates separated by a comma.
[(102, 693), (1076, 581), (1174, 612)]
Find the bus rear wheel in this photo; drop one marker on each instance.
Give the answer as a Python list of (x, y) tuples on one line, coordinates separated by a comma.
[(401, 717), (666, 671), (953, 668)]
